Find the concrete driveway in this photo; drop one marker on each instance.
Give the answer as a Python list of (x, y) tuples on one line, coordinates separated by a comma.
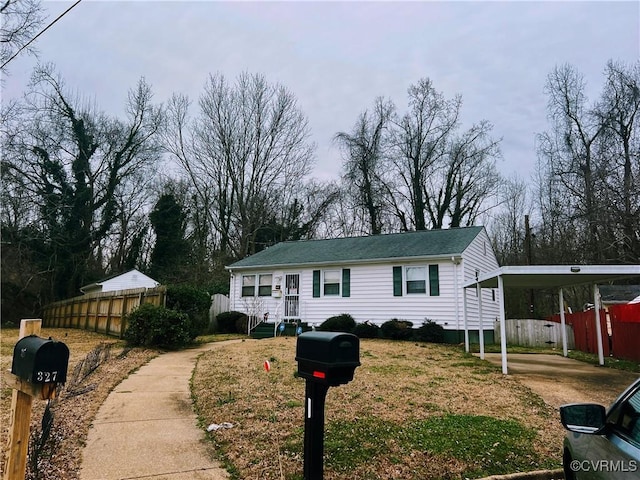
[(559, 380)]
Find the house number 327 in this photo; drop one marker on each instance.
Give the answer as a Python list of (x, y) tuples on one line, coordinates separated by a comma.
[(46, 377)]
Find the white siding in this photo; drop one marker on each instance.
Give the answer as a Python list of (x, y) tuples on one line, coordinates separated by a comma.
[(479, 257), (372, 296)]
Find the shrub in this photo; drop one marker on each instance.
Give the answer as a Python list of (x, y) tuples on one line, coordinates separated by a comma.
[(397, 329), (430, 331), (367, 330), (227, 322), (157, 326), (192, 301), (241, 324), (339, 323)]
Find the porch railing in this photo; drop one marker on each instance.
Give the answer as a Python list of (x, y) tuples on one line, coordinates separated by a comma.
[(254, 320)]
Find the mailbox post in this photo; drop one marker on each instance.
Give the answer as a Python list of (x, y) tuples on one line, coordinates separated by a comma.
[(38, 366), (325, 359)]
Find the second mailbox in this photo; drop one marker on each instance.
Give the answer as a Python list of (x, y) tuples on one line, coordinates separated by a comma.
[(328, 357), (40, 360)]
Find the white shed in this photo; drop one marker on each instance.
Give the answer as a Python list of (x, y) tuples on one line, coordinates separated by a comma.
[(415, 276), (124, 281)]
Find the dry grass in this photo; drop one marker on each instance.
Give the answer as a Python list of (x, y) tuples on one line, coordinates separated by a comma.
[(73, 412), (383, 424)]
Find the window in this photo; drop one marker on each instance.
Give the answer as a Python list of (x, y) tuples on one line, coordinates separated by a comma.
[(264, 285), (416, 280), (331, 282), (248, 285)]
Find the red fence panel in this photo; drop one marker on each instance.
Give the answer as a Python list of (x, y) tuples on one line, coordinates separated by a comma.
[(584, 330), (625, 313), (625, 331)]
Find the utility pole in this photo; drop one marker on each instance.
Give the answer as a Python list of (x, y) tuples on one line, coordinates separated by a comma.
[(528, 257)]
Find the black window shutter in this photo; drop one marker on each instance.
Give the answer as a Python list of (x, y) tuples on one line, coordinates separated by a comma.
[(397, 281), (434, 281), (346, 282), (316, 283)]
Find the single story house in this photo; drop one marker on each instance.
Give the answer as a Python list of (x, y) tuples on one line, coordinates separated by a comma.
[(123, 281), (415, 276)]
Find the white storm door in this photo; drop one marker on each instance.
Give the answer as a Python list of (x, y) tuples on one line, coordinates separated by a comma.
[(292, 296)]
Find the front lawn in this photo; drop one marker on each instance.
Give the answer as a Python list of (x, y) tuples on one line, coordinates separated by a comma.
[(413, 411)]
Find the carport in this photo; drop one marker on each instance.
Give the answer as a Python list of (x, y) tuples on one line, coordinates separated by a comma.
[(544, 277)]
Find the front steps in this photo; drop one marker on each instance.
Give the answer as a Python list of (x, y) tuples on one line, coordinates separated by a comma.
[(266, 329)]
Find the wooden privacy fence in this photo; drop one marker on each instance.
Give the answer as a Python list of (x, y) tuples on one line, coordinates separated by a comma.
[(219, 304), (534, 333), (620, 328), (101, 312)]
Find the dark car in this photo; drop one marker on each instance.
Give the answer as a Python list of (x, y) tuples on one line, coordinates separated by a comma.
[(603, 443)]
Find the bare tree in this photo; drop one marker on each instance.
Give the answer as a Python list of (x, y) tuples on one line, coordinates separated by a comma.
[(366, 162), (247, 150), (505, 225), (19, 22), (421, 140), (124, 247), (464, 179), (619, 144), (569, 147), (75, 163), (591, 164)]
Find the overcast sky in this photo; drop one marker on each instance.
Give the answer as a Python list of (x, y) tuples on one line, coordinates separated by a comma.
[(337, 57)]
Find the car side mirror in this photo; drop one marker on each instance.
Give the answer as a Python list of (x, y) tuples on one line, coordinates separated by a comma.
[(587, 418)]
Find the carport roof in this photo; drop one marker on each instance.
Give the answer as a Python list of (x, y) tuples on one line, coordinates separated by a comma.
[(554, 276), (547, 276)]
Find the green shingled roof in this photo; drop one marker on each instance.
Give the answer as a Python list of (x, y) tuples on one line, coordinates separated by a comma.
[(426, 243)]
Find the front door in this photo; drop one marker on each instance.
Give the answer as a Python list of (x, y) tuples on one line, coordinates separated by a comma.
[(292, 296)]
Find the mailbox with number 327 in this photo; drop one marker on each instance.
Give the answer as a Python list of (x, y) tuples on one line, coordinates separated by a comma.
[(40, 360)]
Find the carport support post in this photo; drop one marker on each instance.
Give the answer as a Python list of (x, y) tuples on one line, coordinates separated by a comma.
[(596, 304), (503, 327), (16, 463), (315, 395), (563, 324), (464, 316), (480, 326)]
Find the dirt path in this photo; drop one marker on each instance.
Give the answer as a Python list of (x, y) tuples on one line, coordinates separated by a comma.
[(559, 380)]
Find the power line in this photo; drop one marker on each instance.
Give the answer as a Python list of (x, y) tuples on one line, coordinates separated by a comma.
[(44, 30)]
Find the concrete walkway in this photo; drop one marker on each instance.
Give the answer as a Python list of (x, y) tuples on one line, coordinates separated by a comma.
[(559, 380), (146, 428)]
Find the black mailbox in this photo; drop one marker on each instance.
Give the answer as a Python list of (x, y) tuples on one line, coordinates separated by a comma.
[(328, 357), (40, 360)]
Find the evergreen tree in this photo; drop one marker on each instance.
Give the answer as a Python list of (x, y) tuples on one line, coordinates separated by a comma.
[(171, 253)]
